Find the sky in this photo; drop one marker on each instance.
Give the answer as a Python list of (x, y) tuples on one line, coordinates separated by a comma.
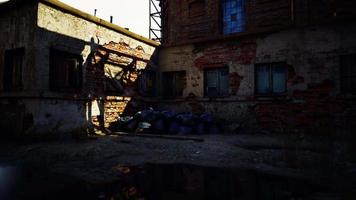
[(132, 14)]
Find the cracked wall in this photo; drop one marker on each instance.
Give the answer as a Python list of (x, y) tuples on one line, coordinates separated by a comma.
[(308, 36), (53, 25), (313, 103)]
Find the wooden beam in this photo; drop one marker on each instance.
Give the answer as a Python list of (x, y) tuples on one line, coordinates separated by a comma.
[(169, 137)]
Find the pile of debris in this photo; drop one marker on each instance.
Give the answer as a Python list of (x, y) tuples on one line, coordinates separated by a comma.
[(168, 122)]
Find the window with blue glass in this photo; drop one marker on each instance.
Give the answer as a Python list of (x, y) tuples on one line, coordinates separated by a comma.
[(233, 13), (271, 78)]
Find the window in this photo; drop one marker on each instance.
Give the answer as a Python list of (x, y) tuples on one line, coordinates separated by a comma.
[(348, 74), (14, 60), (65, 71), (271, 78), (216, 82), (146, 83), (173, 83), (233, 14)]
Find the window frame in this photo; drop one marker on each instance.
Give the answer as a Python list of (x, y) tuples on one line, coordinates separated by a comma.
[(8, 70), (142, 83), (222, 17), (64, 54), (271, 93), (344, 74), (219, 69), (175, 74)]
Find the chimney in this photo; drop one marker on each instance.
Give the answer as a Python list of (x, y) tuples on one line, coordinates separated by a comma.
[(95, 12), (111, 19)]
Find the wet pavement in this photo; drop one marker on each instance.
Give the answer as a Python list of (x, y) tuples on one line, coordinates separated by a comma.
[(104, 168)]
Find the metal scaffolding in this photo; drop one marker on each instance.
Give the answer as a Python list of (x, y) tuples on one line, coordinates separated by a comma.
[(155, 20)]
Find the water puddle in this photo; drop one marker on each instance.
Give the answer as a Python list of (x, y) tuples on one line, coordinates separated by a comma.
[(156, 182)]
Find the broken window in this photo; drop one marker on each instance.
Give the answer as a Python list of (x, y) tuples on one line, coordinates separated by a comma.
[(233, 14), (146, 82), (216, 82), (65, 71), (348, 74), (14, 60), (173, 83), (271, 78)]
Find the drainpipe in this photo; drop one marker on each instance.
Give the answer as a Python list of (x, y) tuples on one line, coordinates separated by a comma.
[(292, 12)]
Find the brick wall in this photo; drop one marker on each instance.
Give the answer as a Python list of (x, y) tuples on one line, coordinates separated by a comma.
[(313, 110), (180, 27), (313, 102), (112, 73), (114, 107)]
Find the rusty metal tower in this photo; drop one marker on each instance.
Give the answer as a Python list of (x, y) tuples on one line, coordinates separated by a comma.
[(155, 20)]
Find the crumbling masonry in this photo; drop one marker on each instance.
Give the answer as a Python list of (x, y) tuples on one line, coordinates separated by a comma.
[(67, 68), (290, 64)]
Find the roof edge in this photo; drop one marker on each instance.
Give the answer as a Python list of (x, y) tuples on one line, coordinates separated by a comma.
[(99, 21)]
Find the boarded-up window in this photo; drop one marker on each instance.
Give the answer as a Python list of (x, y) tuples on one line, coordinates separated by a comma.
[(348, 74), (216, 82), (233, 14), (14, 60), (146, 83), (173, 83), (271, 78), (65, 71)]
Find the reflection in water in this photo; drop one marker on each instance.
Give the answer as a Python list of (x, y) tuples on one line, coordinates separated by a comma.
[(8, 179), (155, 182)]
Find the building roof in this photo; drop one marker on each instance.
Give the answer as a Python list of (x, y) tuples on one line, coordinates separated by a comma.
[(99, 21), (66, 8)]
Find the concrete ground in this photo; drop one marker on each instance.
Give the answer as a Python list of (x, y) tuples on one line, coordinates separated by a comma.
[(93, 159), (104, 159)]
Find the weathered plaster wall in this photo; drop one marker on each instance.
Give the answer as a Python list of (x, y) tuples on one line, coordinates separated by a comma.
[(313, 83), (64, 31), (41, 27), (56, 116), (17, 31), (76, 35)]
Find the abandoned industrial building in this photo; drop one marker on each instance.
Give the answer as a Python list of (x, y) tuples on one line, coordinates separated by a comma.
[(291, 61), (53, 69), (265, 72), (281, 62)]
